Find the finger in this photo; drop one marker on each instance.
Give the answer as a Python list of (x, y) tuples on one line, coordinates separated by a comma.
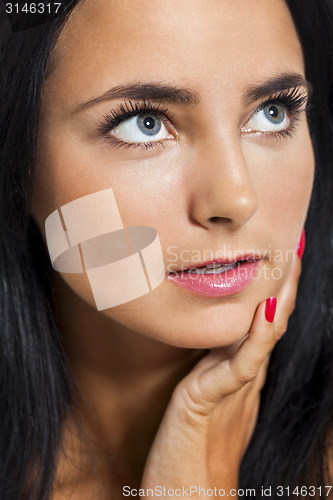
[(287, 295), (260, 379), (286, 299), (216, 355), (231, 374)]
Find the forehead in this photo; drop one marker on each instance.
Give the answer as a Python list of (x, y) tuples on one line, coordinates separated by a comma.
[(228, 43)]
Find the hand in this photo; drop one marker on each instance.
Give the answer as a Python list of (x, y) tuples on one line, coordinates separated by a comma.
[(213, 411)]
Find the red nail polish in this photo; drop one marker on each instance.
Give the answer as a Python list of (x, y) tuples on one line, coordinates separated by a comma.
[(270, 309), (301, 245)]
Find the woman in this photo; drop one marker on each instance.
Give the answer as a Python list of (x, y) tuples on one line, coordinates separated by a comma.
[(197, 116)]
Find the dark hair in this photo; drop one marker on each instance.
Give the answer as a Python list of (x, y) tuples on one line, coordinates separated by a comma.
[(34, 376), (289, 443)]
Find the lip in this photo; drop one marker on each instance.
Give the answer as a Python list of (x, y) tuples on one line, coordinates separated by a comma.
[(218, 285), (241, 257)]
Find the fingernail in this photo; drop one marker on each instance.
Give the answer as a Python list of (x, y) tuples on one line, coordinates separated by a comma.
[(301, 244), (270, 309)]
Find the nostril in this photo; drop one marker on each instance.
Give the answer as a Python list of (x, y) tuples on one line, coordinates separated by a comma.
[(219, 219)]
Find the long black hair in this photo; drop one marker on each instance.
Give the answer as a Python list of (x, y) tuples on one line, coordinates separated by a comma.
[(289, 444), (35, 382)]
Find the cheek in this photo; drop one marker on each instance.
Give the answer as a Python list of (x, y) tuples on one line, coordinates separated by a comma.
[(288, 197), (142, 189), (285, 178), (71, 176)]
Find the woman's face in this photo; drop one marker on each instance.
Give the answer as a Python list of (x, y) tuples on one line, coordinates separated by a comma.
[(213, 172)]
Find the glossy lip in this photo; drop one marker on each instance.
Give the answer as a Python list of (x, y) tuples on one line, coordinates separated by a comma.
[(246, 257), (218, 285)]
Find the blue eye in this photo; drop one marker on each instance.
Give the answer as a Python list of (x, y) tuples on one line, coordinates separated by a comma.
[(141, 127), (270, 118), (274, 113), (149, 124)]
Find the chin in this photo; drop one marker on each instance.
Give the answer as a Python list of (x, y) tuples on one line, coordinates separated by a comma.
[(201, 328), (208, 336)]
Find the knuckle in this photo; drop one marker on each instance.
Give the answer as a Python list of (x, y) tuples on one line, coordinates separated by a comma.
[(280, 329), (262, 375), (246, 375), (190, 398), (265, 344)]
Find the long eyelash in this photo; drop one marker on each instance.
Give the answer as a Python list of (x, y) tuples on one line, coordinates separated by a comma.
[(292, 99), (128, 110)]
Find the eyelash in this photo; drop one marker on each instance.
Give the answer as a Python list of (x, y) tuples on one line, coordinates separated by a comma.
[(126, 111), (292, 99)]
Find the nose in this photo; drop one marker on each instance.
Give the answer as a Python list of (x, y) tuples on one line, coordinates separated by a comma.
[(222, 189)]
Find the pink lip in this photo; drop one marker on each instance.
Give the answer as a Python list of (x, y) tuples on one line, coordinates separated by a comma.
[(222, 261), (217, 285)]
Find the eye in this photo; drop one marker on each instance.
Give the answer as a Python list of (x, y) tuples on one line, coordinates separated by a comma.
[(141, 128), (268, 118)]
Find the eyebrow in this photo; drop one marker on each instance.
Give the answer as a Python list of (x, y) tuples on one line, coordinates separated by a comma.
[(164, 92), (274, 85), (158, 91)]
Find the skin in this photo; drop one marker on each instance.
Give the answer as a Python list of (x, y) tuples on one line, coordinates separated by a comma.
[(213, 184)]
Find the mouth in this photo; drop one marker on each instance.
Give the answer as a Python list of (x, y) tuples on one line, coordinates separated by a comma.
[(218, 266), (219, 277)]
